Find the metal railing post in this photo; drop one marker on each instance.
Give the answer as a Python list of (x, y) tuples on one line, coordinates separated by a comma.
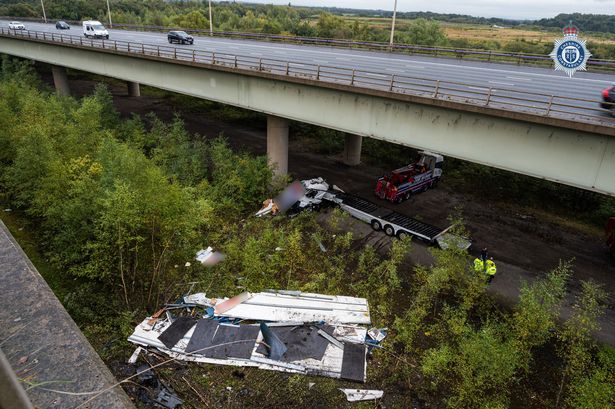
[(488, 97), (213, 58), (235, 61), (193, 56), (549, 106), (260, 64), (175, 53), (287, 68), (142, 49), (435, 95), (352, 78), (158, 50), (81, 41), (318, 73), (115, 44), (392, 82), (128, 47)]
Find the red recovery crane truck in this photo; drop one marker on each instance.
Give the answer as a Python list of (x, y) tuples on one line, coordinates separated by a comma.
[(610, 235), (402, 183)]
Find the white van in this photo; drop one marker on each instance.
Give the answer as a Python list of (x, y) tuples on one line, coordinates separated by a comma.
[(95, 29)]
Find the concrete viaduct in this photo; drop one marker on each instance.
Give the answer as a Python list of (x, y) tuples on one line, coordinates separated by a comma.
[(559, 149)]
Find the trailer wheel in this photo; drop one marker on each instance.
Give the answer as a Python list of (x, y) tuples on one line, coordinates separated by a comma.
[(389, 230), (408, 195), (402, 235), (376, 225)]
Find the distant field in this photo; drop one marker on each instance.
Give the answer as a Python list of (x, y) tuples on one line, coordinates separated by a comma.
[(486, 32)]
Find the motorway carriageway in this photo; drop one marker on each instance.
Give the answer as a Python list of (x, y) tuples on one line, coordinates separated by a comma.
[(479, 76)]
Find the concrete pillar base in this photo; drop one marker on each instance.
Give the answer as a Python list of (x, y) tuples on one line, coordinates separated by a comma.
[(277, 144), (352, 150), (60, 80), (134, 90)]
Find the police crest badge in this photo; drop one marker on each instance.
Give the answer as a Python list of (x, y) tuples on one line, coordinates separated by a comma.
[(570, 53)]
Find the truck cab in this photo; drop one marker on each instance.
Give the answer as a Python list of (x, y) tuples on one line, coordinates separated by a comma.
[(402, 183), (94, 29)]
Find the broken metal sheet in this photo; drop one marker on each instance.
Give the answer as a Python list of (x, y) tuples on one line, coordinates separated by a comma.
[(356, 395), (212, 339), (199, 299), (135, 355), (275, 346), (338, 352), (304, 307), (233, 341), (330, 339), (176, 331), (330, 365), (168, 400), (202, 336), (354, 362), (301, 342), (226, 305)]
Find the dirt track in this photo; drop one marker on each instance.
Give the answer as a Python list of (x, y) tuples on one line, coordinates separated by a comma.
[(525, 246)]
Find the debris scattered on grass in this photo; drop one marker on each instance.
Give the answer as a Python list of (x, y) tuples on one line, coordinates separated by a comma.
[(288, 331), (209, 257), (356, 395), (135, 355)]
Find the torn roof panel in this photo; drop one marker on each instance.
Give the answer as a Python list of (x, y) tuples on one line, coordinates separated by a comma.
[(335, 349), (303, 307)]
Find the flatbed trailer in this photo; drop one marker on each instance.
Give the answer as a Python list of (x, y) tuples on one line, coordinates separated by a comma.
[(393, 223)]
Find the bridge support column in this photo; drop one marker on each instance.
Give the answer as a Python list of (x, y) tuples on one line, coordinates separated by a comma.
[(352, 149), (277, 143), (134, 90), (60, 80)]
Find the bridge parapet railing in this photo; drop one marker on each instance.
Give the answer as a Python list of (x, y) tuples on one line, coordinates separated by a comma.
[(541, 104), (518, 58)]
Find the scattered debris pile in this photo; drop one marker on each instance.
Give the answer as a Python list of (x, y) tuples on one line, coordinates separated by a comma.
[(287, 331)]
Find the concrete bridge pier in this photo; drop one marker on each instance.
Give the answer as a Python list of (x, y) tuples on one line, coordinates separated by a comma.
[(352, 149), (134, 89), (60, 80), (277, 143)]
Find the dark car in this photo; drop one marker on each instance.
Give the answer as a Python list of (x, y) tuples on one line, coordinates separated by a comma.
[(180, 37), (62, 25), (608, 98)]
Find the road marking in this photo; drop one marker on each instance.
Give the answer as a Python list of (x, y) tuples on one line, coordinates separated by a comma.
[(502, 83), (519, 79), (362, 55)]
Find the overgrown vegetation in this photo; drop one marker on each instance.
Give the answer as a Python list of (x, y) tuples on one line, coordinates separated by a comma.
[(120, 206)]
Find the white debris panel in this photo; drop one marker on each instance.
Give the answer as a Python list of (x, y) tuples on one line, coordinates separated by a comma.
[(356, 395), (285, 331), (301, 307)]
